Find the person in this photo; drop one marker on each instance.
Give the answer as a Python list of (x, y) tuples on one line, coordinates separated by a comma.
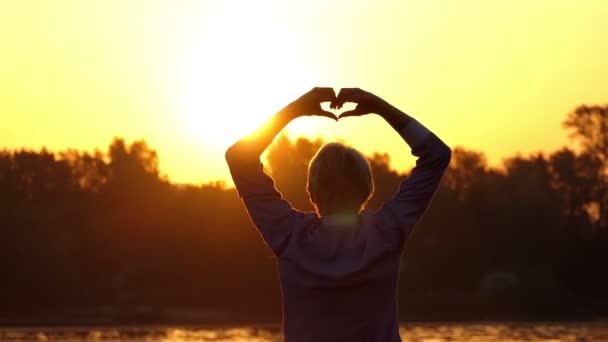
[(338, 267)]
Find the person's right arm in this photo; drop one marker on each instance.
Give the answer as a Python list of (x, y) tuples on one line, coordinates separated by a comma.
[(273, 216), (397, 217)]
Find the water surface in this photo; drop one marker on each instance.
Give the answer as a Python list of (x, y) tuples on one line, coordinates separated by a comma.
[(432, 332)]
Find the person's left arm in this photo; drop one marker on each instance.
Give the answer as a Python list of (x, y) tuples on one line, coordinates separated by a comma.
[(270, 213)]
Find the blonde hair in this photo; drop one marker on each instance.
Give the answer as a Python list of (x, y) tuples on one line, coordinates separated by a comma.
[(339, 179)]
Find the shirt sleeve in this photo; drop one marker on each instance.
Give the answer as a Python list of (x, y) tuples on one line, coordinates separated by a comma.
[(273, 216), (397, 217)]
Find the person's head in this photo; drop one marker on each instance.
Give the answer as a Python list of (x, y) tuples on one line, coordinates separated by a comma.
[(339, 179)]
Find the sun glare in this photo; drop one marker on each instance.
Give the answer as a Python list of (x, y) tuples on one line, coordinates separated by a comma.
[(240, 70)]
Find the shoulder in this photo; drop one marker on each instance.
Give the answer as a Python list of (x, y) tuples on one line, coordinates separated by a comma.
[(382, 231)]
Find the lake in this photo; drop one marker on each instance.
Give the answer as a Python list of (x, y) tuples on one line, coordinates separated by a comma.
[(430, 332)]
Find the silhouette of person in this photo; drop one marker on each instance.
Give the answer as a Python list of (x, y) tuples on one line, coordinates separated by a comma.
[(338, 267)]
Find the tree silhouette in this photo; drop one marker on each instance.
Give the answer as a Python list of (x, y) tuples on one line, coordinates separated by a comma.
[(288, 163), (589, 126), (107, 233)]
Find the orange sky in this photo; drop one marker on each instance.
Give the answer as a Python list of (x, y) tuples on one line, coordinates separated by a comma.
[(190, 77)]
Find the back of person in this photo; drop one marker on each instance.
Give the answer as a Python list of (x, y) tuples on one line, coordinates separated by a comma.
[(338, 267), (332, 291)]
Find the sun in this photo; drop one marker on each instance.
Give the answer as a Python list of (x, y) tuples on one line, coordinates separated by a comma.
[(235, 73)]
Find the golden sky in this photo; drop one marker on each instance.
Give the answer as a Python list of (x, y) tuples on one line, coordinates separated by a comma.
[(190, 77)]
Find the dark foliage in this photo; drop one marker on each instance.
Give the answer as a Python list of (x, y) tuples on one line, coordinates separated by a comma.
[(104, 231)]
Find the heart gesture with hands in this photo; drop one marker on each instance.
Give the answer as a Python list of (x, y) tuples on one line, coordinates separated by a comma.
[(309, 104)]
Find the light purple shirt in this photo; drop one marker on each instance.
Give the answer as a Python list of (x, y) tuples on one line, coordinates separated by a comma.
[(338, 273)]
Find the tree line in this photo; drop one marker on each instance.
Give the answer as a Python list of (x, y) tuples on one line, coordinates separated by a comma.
[(94, 231)]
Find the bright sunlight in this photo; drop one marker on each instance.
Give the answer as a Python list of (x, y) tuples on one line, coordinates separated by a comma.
[(190, 77), (226, 90)]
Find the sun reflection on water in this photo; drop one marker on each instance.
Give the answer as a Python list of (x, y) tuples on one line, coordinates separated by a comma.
[(431, 332)]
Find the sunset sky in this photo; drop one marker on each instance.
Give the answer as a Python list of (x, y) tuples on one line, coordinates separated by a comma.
[(190, 77)]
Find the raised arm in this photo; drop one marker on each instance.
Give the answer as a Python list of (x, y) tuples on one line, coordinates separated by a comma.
[(254, 144), (398, 215), (271, 214)]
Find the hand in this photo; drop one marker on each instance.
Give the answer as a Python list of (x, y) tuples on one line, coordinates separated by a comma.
[(310, 103), (366, 102)]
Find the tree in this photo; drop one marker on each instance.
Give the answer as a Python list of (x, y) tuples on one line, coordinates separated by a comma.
[(288, 163), (575, 177), (589, 126), (466, 168)]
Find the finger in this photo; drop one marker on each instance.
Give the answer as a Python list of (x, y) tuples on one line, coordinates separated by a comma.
[(345, 95), (324, 94)]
